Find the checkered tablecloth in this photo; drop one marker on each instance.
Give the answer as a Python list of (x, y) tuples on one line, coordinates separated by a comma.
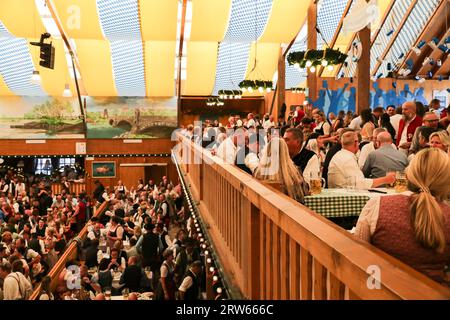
[(334, 203)]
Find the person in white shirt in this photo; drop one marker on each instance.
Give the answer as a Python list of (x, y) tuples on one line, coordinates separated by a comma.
[(355, 124), (15, 285), (344, 166), (20, 187), (250, 120), (269, 123), (228, 149), (395, 117), (323, 127)]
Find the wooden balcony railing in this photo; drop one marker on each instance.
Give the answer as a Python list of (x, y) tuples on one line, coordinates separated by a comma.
[(272, 247), (69, 254), (75, 188)]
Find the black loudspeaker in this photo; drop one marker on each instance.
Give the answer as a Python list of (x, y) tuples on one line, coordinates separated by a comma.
[(47, 56)]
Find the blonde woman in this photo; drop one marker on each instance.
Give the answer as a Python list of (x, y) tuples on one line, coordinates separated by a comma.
[(276, 166), (441, 140), (414, 227)]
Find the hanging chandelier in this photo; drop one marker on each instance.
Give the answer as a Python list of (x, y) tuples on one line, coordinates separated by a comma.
[(230, 94), (298, 90), (313, 58), (214, 101)]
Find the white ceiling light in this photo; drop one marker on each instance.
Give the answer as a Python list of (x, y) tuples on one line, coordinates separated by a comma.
[(36, 77), (67, 93)]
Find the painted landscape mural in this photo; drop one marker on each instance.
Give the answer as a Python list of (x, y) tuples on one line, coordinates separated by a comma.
[(107, 118), (130, 117), (40, 118)]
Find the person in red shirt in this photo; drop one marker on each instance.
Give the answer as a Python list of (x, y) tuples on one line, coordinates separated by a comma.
[(80, 213), (408, 125), (298, 115)]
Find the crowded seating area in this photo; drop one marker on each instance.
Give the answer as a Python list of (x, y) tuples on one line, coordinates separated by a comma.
[(406, 168), (141, 247), (224, 150)]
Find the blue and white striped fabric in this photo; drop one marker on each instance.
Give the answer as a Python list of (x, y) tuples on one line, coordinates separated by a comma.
[(232, 62), (328, 19), (410, 32), (120, 24), (244, 13), (16, 65), (392, 22), (234, 50)]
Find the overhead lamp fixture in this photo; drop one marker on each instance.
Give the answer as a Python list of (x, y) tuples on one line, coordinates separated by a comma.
[(67, 93), (36, 77)]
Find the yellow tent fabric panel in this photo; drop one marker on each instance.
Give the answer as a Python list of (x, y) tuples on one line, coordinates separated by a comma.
[(285, 20), (158, 19), (267, 61), (160, 68), (21, 18), (96, 67), (79, 18), (210, 19), (201, 68), (4, 90), (53, 80)]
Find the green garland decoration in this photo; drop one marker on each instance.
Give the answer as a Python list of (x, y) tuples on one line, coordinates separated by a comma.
[(256, 84), (333, 57)]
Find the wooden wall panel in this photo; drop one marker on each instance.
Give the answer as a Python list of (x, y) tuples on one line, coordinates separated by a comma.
[(94, 146), (50, 147), (129, 175)]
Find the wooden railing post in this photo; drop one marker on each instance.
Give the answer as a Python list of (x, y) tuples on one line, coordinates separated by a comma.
[(253, 254)]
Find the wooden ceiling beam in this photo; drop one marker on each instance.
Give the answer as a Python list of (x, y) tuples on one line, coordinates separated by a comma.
[(435, 27), (444, 70), (436, 54), (394, 36)]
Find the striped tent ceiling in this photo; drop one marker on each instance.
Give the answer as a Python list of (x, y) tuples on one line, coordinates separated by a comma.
[(130, 47)]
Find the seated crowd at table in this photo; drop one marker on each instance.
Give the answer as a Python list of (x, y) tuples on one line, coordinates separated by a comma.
[(372, 151)]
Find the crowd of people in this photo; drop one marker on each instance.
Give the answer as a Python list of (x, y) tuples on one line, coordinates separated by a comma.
[(364, 151), (142, 244), (35, 226)]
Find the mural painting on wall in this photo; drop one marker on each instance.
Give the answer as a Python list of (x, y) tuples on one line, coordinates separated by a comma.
[(343, 99), (40, 118), (130, 117)]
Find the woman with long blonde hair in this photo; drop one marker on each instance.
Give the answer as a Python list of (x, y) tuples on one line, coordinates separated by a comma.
[(414, 227), (276, 166)]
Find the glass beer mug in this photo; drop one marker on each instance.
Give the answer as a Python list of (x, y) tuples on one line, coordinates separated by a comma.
[(401, 185), (316, 183)]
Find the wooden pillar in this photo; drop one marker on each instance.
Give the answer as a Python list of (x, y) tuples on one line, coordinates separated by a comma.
[(312, 44), (281, 96), (363, 72)]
